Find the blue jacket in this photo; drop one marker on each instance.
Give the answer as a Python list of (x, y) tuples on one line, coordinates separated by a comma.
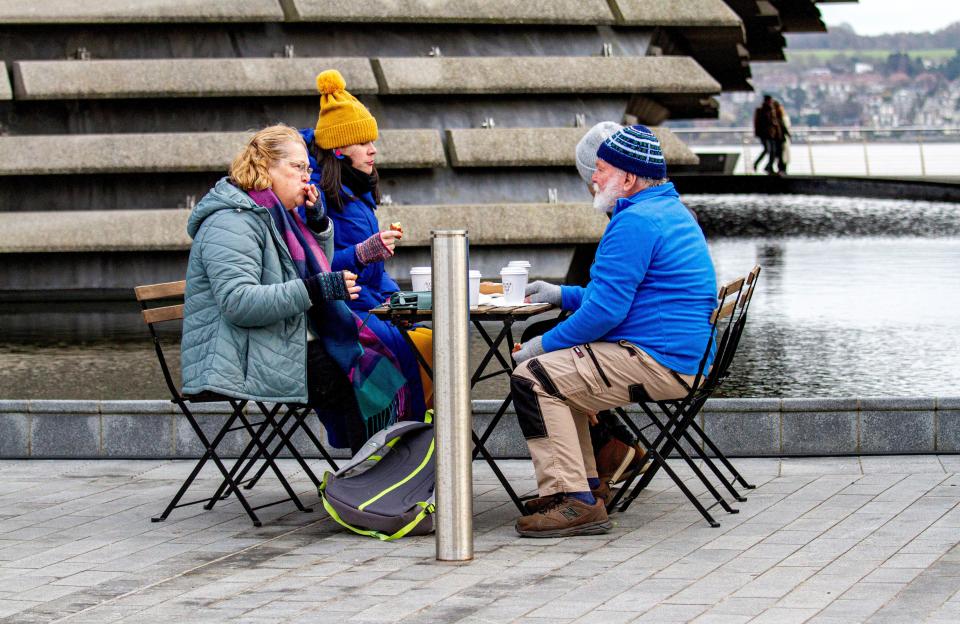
[(354, 224), (244, 317), (652, 283)]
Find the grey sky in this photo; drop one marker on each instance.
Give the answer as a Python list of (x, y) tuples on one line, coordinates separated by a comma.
[(873, 17)]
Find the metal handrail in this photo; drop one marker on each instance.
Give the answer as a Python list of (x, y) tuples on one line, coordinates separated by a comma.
[(809, 136), (816, 129)]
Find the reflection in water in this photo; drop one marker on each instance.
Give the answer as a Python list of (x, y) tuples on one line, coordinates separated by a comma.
[(832, 316)]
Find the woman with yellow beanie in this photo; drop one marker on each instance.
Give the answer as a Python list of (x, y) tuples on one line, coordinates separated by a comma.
[(343, 158)]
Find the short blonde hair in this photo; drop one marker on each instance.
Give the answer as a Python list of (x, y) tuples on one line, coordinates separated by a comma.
[(249, 168)]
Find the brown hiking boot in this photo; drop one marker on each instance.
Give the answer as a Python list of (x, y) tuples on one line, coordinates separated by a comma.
[(616, 460), (565, 516), (602, 493)]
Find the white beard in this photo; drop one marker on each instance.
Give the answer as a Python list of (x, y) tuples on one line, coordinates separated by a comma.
[(605, 198)]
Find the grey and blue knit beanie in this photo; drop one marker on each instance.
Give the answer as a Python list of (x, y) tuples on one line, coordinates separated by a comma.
[(635, 149)]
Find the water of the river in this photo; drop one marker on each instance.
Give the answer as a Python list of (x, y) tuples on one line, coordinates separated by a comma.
[(858, 297)]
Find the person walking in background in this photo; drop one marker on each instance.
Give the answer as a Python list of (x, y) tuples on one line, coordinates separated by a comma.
[(766, 127), (784, 149), (264, 315), (343, 155)]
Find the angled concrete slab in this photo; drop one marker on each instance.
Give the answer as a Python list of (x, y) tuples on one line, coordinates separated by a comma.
[(454, 11), (195, 77), (165, 229), (127, 11), (94, 230), (543, 74), (179, 152), (6, 91), (675, 13), (539, 147)]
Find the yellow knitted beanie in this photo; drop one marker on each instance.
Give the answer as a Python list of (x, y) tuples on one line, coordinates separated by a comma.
[(343, 119)]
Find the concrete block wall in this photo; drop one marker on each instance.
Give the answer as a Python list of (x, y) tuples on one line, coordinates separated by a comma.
[(739, 427), (83, 134)]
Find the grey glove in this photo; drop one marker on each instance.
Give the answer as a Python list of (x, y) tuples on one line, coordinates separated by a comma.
[(543, 292), (530, 349)]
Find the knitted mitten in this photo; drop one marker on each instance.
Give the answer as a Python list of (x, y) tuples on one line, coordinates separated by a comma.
[(373, 250), (327, 287)]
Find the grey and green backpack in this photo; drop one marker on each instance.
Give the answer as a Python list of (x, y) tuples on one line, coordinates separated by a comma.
[(386, 490)]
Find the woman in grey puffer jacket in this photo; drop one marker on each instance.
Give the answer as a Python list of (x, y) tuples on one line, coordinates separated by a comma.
[(246, 332)]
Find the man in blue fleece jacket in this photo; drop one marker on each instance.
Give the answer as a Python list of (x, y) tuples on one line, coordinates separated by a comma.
[(639, 328)]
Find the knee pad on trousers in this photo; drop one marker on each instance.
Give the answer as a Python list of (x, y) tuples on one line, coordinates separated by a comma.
[(527, 404)]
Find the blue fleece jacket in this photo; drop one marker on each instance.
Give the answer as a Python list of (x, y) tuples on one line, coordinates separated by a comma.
[(652, 283)]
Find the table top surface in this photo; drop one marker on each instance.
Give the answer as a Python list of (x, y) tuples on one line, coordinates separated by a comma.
[(483, 312)]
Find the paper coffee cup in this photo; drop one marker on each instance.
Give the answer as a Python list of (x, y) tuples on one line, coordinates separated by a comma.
[(475, 288), (421, 278), (514, 284)]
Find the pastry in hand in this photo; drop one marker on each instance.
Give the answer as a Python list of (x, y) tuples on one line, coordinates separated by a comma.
[(396, 227), (491, 288)]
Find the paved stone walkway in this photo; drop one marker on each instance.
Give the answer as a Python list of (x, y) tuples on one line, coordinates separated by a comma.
[(870, 539)]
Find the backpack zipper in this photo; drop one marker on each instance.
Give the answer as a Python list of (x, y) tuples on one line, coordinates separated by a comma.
[(596, 363)]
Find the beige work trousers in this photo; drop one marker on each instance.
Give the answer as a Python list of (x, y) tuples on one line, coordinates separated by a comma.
[(554, 393)]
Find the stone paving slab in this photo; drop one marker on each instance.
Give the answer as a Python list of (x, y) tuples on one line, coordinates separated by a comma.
[(857, 539)]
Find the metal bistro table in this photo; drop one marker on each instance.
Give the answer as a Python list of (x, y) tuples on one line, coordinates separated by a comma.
[(507, 315)]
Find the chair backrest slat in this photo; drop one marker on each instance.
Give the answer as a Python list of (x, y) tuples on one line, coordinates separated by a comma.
[(723, 312), (165, 290), (733, 287), (753, 274), (166, 313)]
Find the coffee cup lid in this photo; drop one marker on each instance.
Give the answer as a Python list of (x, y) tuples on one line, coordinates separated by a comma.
[(421, 270), (513, 270)]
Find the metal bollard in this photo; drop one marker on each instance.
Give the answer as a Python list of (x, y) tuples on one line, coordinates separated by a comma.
[(451, 397)]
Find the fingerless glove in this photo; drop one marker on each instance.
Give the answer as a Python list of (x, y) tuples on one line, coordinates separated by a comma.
[(327, 287), (372, 250)]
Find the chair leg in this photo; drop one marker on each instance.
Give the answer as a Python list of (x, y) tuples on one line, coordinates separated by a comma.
[(223, 491), (713, 468), (680, 423), (496, 471), (209, 454), (723, 458), (269, 458), (285, 442), (657, 457)]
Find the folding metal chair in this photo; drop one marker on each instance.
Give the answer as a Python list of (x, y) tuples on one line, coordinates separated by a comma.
[(156, 302), (677, 417), (722, 371)]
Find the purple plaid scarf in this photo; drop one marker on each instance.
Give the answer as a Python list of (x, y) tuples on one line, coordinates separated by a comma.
[(381, 389)]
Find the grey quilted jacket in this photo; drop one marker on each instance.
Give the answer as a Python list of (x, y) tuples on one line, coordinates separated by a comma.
[(244, 322)]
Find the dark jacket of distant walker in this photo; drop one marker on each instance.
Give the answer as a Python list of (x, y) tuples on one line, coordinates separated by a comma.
[(245, 324), (766, 123)]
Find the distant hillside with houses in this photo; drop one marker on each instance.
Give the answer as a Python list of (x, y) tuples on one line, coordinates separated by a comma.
[(840, 78)]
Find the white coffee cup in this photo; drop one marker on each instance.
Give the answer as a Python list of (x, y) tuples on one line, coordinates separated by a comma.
[(421, 278), (514, 280), (475, 288), (520, 263)]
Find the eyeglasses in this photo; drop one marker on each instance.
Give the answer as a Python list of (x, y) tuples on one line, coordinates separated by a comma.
[(300, 166)]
